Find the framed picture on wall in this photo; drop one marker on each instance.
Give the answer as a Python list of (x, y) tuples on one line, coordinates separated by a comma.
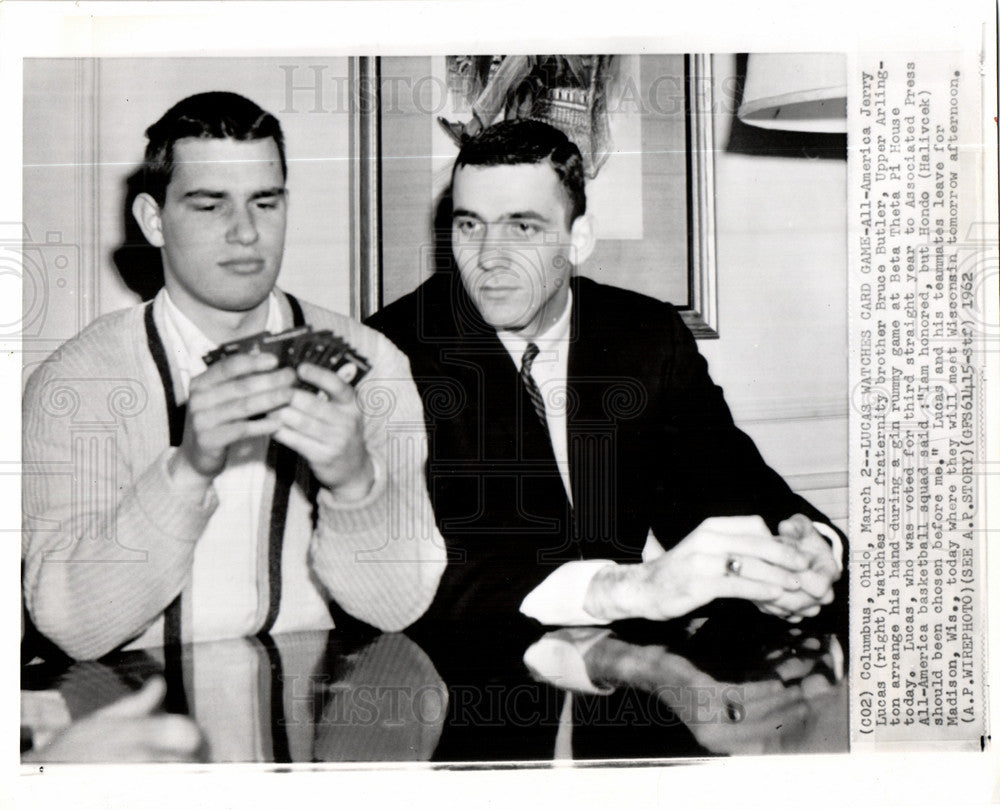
[(643, 124)]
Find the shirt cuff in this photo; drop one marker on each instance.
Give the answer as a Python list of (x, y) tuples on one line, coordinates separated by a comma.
[(559, 598), (557, 658), (652, 549), (835, 542)]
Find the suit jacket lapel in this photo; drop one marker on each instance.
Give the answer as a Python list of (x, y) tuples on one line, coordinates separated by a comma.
[(592, 437)]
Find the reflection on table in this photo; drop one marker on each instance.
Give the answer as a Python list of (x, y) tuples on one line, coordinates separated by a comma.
[(727, 684)]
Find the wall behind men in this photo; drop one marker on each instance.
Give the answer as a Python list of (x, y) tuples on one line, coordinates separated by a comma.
[(84, 124), (781, 241)]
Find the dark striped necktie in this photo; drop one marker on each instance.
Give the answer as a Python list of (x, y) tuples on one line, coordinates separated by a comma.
[(530, 353)]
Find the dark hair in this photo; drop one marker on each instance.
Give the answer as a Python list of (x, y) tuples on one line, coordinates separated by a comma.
[(206, 115), (518, 141)]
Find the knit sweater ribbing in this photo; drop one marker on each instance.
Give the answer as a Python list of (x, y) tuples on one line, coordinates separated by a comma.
[(108, 540)]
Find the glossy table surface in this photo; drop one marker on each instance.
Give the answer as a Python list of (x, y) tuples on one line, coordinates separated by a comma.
[(727, 684)]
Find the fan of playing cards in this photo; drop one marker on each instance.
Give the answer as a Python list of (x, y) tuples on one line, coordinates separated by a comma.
[(300, 345)]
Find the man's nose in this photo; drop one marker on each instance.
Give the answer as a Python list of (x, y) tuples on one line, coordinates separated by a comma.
[(493, 251), (242, 227)]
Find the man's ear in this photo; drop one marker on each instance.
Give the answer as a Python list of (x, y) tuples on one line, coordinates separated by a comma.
[(582, 238), (147, 213)]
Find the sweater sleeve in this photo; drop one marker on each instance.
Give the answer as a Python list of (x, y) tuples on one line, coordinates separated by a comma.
[(107, 539), (381, 557)]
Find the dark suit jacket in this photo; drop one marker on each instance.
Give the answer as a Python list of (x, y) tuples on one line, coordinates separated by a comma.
[(651, 443)]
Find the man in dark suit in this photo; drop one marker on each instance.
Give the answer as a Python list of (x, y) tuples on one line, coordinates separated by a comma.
[(583, 466)]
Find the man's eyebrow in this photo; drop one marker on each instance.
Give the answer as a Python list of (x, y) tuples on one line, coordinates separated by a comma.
[(277, 191), (529, 214), (513, 215), (204, 192)]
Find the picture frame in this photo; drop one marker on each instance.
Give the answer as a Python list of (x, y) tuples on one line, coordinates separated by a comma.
[(397, 104)]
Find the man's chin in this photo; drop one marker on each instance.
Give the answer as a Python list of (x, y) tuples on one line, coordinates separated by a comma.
[(502, 320), (246, 301), (238, 306), (504, 324), (243, 304)]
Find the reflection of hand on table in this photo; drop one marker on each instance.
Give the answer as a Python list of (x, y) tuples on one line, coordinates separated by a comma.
[(128, 730), (771, 714)]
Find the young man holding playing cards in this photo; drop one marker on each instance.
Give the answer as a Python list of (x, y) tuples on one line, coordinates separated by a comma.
[(244, 496)]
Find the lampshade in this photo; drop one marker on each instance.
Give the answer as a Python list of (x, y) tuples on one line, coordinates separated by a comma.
[(802, 92)]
